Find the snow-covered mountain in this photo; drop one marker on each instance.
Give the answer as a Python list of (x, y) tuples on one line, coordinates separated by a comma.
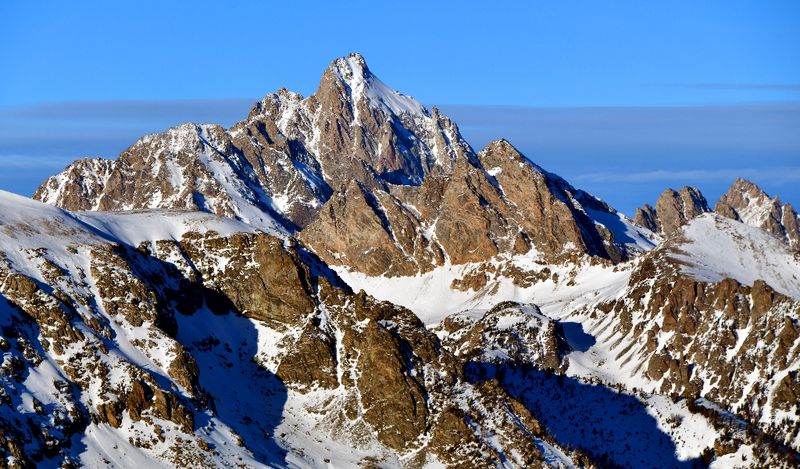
[(746, 202), (356, 150), (341, 281)]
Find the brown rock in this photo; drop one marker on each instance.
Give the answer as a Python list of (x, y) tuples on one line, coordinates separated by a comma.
[(263, 281), (394, 403), (673, 210), (167, 406), (647, 217), (500, 203), (311, 362)]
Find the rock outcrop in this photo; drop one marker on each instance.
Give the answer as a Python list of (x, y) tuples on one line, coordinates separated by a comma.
[(746, 202), (673, 210), (508, 333)]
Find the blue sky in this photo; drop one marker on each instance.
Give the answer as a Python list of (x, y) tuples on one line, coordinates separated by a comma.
[(621, 98)]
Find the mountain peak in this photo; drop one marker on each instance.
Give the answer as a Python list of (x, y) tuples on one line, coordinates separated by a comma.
[(285, 157), (361, 84), (673, 209), (742, 185), (744, 201), (501, 143), (748, 203)]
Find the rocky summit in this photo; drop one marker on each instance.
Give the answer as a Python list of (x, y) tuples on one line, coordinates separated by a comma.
[(747, 203), (673, 210), (341, 280)]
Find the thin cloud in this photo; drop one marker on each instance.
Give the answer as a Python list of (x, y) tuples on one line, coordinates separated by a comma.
[(19, 162), (65, 131), (224, 111), (781, 175), (722, 129), (790, 87)]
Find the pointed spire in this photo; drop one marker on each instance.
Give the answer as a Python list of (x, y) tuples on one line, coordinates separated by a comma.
[(361, 84)]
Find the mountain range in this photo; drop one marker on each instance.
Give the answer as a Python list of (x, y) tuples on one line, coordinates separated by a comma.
[(341, 280)]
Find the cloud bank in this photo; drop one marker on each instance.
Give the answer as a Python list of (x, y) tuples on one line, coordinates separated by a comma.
[(626, 155), (777, 175)]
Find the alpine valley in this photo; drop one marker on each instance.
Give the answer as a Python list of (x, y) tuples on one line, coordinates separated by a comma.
[(340, 280)]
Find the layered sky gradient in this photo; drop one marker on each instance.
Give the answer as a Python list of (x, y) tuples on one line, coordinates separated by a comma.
[(622, 98)]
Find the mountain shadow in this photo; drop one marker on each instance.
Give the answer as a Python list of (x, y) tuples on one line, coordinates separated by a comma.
[(577, 338), (46, 443), (613, 428), (245, 396)]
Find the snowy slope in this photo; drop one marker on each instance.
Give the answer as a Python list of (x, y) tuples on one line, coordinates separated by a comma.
[(624, 230), (27, 224), (70, 255), (713, 248), (135, 227), (432, 296)]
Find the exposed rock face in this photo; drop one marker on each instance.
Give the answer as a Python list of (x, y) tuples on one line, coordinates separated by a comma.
[(278, 286), (747, 203), (508, 333), (501, 204), (551, 213), (673, 210), (647, 217), (355, 226)]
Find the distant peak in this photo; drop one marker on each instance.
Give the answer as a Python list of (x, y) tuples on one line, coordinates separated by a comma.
[(741, 186), (669, 192), (501, 150), (744, 183), (695, 194), (501, 144)]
